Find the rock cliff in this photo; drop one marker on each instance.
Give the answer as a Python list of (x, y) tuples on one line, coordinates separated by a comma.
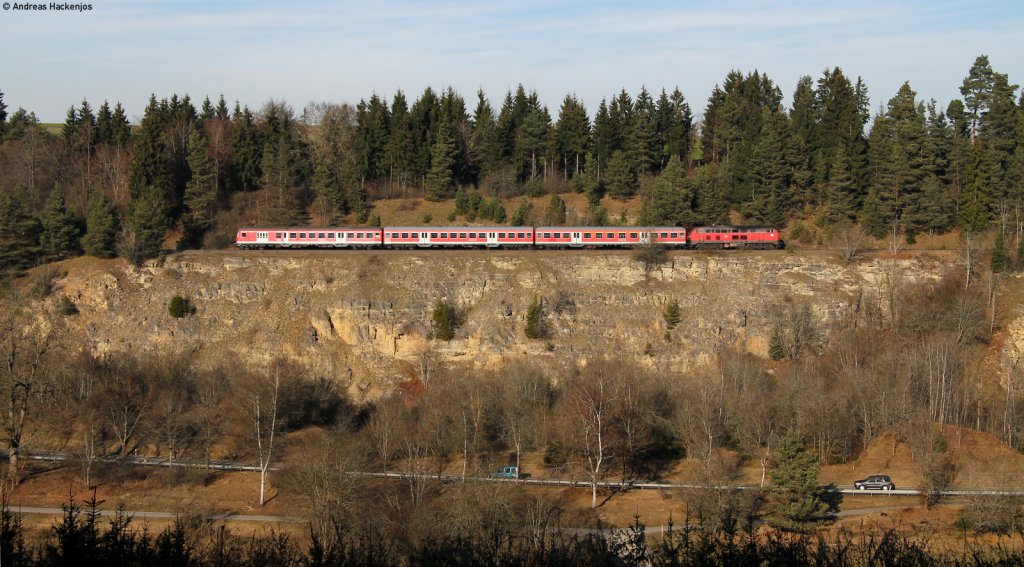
[(364, 317)]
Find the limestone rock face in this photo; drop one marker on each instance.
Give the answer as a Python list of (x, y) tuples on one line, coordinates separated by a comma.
[(363, 317)]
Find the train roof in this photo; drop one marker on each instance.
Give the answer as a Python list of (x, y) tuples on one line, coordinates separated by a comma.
[(458, 228), (290, 228)]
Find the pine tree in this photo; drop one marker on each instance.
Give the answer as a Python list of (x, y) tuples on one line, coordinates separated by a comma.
[(443, 321), (147, 223), (798, 499), (200, 192), (247, 155), (19, 232), (101, 227), (3, 116), (556, 211), (976, 200), (59, 238), (573, 135), (535, 328), (522, 214), (998, 263), (672, 314), (440, 179), (671, 197), (977, 91), (620, 177)]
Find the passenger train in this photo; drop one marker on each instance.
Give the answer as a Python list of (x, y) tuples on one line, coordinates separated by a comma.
[(510, 237)]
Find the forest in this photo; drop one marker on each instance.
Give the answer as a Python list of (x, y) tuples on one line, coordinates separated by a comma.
[(102, 186)]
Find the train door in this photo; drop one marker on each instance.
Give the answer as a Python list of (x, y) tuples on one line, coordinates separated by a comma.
[(492, 239), (645, 238), (262, 238), (424, 241), (577, 239)]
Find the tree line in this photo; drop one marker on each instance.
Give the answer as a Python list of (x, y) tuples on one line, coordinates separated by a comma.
[(106, 187)]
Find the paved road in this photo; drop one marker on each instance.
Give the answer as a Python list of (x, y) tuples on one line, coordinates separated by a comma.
[(616, 485), (147, 515)]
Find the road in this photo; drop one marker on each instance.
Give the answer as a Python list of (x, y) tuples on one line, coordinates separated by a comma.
[(230, 466), (149, 515)]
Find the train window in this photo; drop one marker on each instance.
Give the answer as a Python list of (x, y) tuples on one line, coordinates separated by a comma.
[(243, 234), (462, 235), (522, 235), (330, 235), (632, 235), (674, 235), (743, 237), (405, 235), (472, 235), (321, 235), (664, 235), (586, 235), (622, 235), (291, 235), (598, 235), (302, 235), (501, 235), (433, 235), (279, 235)]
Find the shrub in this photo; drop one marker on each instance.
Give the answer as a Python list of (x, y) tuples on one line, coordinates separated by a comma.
[(672, 314), (535, 328), (444, 321), (66, 307), (180, 307)]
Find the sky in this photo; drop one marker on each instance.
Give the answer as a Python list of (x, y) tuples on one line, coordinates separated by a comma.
[(344, 51)]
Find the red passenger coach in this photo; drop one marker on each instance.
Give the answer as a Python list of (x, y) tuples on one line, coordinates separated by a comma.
[(749, 237), (458, 236), (608, 236), (332, 237)]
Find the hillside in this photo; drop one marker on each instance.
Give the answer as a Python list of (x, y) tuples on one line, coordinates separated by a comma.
[(363, 317)]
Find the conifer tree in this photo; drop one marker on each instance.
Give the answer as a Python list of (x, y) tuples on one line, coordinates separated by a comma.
[(840, 190), (573, 134), (798, 499), (147, 223), (535, 328), (59, 237), (200, 192), (19, 232), (247, 154), (672, 314), (443, 321), (976, 200), (3, 116), (620, 177), (101, 227), (998, 262), (556, 211), (522, 214), (440, 180), (671, 197)]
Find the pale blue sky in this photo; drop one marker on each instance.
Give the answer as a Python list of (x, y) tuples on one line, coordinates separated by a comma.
[(343, 51)]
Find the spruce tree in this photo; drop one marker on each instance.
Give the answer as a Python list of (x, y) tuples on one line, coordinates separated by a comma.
[(998, 262), (200, 192), (573, 135), (535, 328), (440, 179), (556, 211), (101, 227), (147, 221), (522, 214), (3, 116), (59, 238), (620, 177), (19, 232), (672, 314), (797, 498), (671, 197), (443, 321), (247, 154)]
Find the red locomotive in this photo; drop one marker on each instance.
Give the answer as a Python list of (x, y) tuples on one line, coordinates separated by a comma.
[(542, 237)]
